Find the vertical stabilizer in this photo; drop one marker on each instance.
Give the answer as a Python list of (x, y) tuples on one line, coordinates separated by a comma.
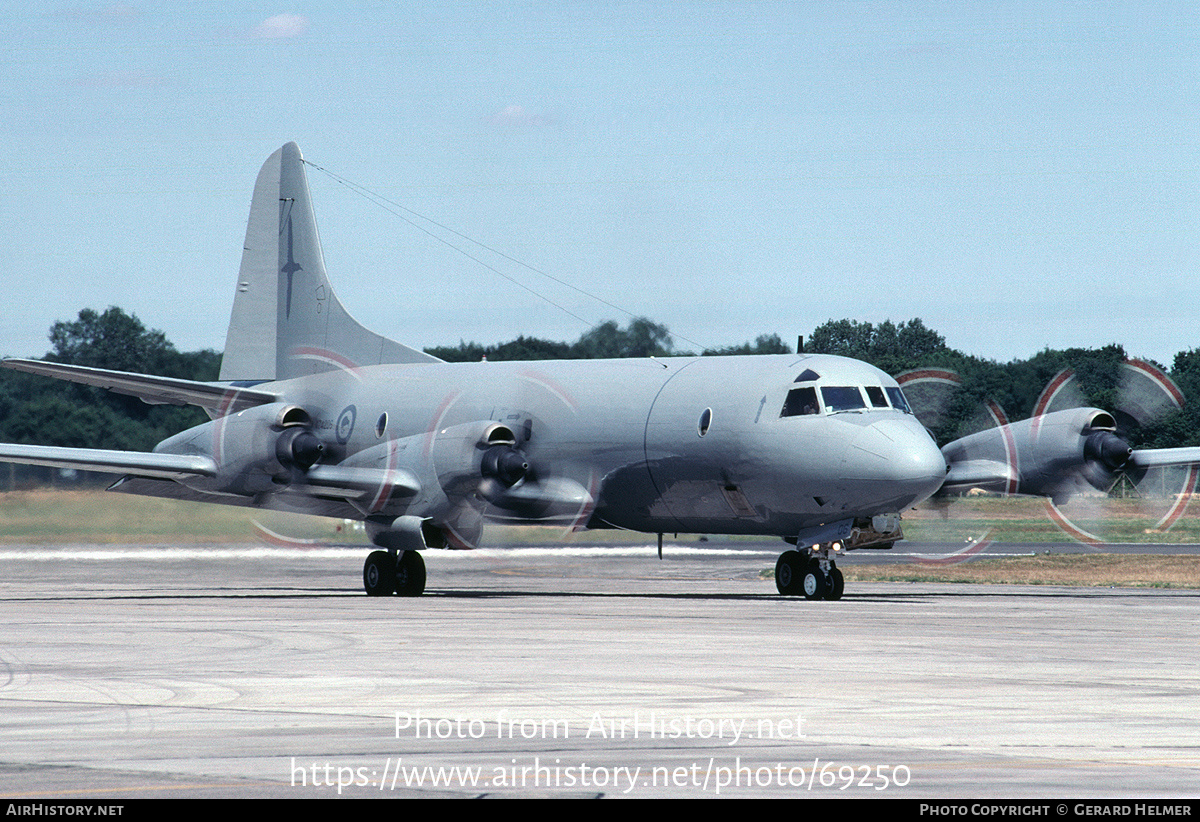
[(286, 320)]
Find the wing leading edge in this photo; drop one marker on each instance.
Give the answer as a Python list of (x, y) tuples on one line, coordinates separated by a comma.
[(183, 475), (215, 398), (158, 466)]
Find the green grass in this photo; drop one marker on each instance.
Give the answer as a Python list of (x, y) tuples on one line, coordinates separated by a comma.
[(1022, 519), (1094, 570), (97, 517)]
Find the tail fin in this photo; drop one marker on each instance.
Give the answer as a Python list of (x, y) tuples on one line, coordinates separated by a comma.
[(286, 320)]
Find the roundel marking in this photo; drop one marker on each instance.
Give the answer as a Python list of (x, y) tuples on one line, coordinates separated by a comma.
[(345, 424)]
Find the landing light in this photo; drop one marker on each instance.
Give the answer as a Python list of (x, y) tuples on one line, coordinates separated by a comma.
[(837, 546)]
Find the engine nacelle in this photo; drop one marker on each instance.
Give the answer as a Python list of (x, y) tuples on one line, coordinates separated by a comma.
[(1054, 455), (259, 450), (477, 454), (457, 470)]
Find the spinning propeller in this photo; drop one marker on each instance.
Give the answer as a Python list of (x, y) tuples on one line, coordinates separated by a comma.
[(1065, 449), (495, 472)]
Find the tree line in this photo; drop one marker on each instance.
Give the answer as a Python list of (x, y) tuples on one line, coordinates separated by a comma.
[(52, 412), (1016, 386), (639, 338)]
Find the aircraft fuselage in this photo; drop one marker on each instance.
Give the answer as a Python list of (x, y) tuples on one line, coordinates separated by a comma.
[(691, 445)]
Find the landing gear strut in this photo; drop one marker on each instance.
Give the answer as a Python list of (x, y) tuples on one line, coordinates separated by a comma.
[(817, 577), (386, 573)]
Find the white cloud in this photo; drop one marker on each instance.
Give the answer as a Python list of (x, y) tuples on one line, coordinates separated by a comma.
[(516, 115), (281, 26)]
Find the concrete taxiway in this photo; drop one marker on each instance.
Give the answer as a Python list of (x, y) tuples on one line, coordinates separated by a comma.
[(131, 672)]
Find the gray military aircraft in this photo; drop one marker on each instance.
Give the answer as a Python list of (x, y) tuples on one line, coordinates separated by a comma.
[(316, 414)]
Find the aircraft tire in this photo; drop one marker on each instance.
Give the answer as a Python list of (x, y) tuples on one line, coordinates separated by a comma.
[(837, 584), (814, 582), (788, 573), (410, 574), (379, 574)]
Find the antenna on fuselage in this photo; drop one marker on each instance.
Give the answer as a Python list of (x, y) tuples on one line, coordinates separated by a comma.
[(394, 208)]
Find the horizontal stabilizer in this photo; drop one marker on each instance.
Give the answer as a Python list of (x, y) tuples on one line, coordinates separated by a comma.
[(161, 466), (218, 398)]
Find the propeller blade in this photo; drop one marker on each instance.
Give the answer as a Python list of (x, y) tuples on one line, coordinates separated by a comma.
[(1164, 457)]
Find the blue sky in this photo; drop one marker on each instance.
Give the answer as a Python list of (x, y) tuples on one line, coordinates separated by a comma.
[(1018, 175)]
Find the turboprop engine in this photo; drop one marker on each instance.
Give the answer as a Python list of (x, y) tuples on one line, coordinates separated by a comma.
[(457, 471), (260, 450), (1054, 455)]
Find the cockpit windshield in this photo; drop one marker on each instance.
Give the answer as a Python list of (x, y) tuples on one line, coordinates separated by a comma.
[(842, 398), (875, 394), (803, 401), (898, 400), (800, 401)]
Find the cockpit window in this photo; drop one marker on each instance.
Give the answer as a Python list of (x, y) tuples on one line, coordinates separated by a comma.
[(842, 398), (897, 398), (875, 395), (800, 401), (808, 375)]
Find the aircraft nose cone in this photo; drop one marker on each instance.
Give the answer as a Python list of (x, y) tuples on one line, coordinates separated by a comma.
[(895, 463)]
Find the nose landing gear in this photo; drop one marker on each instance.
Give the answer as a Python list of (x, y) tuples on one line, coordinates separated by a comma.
[(817, 576)]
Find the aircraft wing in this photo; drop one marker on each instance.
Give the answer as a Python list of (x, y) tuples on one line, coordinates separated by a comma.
[(349, 483), (216, 397), (159, 466), (352, 488)]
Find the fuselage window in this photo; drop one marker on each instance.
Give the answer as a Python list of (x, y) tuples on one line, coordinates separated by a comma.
[(800, 401), (842, 398), (381, 425), (705, 421), (897, 398), (875, 394)]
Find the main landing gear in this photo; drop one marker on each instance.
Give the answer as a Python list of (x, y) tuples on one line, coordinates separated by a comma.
[(386, 573), (816, 576)]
